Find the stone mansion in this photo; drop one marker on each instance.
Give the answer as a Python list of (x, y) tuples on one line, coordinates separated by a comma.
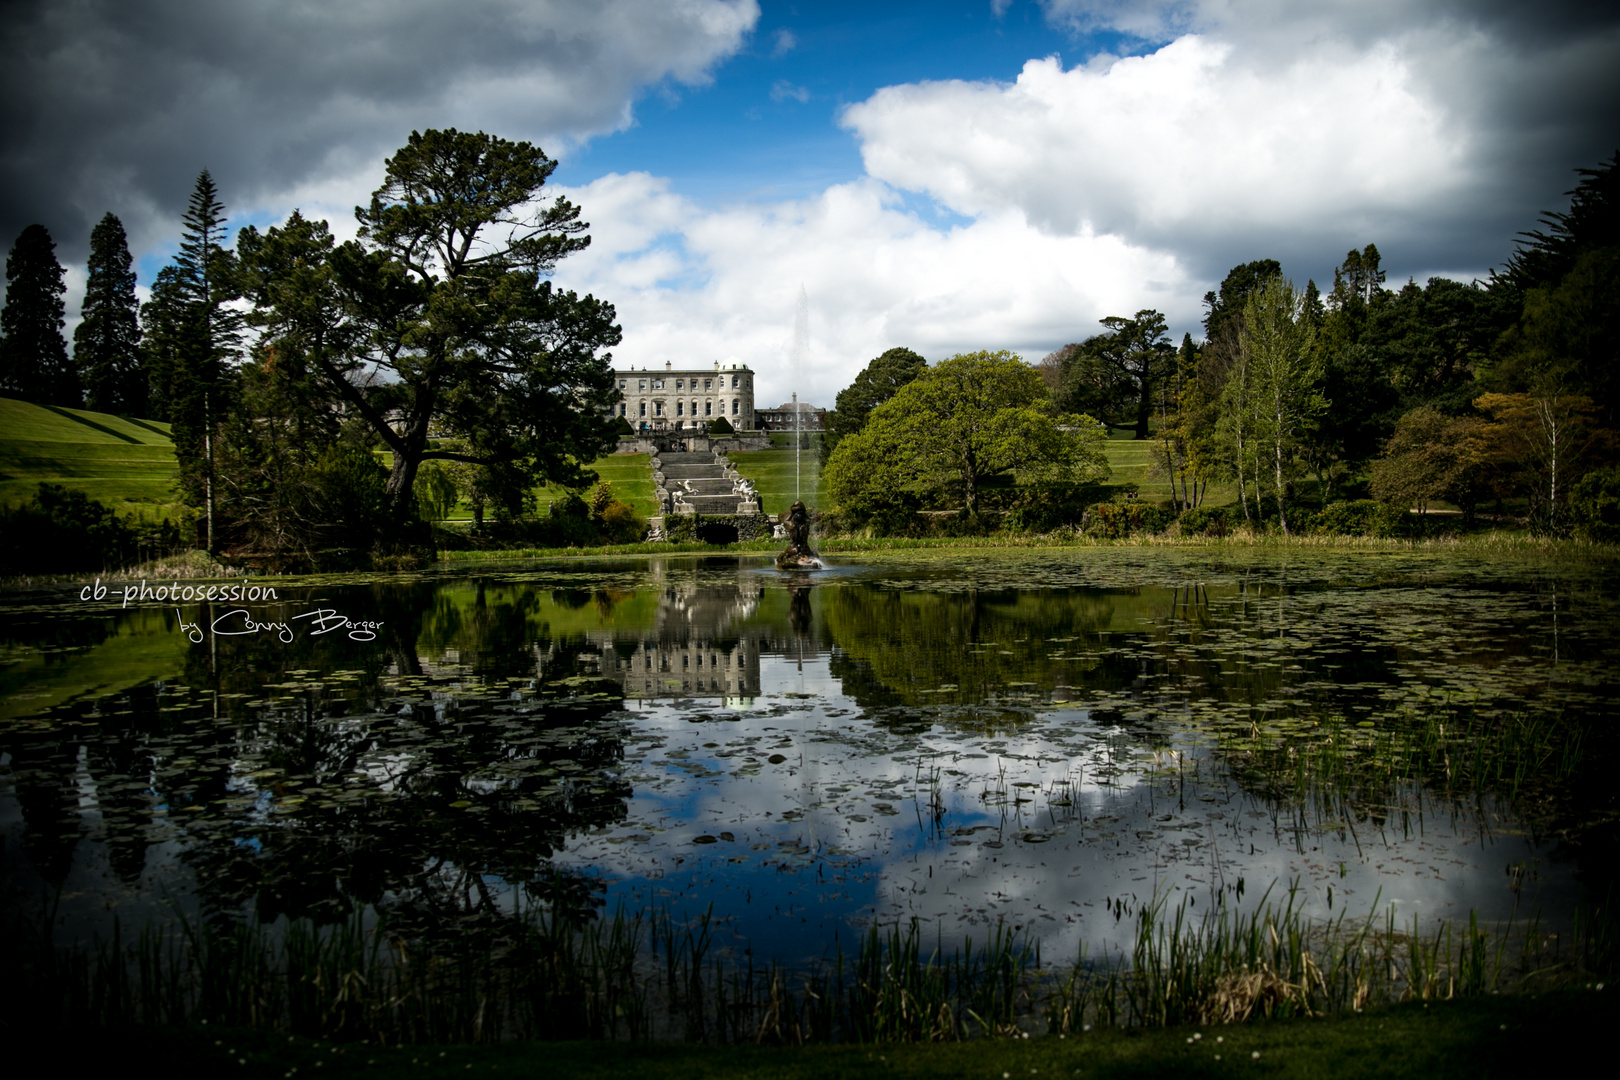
[(686, 399)]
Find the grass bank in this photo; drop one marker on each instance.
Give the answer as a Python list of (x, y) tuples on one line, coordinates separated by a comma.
[(124, 462), (1493, 543), (1485, 1037)]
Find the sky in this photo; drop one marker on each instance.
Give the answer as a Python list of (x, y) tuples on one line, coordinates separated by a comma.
[(949, 176)]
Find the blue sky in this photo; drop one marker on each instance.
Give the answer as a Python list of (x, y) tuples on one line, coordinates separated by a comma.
[(980, 174), (768, 126)]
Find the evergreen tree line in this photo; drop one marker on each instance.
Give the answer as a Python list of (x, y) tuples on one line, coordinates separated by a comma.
[(289, 365), (1496, 395)]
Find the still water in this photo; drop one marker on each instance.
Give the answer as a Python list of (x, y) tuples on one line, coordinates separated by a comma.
[(1043, 739)]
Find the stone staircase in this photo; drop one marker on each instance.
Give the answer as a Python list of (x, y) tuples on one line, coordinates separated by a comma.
[(701, 483)]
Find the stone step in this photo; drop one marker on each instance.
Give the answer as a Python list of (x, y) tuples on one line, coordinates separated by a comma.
[(713, 504), (692, 472), (701, 487), (683, 458)]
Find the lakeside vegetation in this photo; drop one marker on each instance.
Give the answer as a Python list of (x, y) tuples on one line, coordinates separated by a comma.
[(1465, 1039), (1299, 409), (545, 974)]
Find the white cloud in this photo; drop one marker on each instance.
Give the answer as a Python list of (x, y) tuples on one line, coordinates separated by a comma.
[(782, 90), (695, 286), (1180, 144), (1254, 130), (784, 43)]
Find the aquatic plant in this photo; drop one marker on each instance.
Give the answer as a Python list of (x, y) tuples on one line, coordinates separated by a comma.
[(550, 975)]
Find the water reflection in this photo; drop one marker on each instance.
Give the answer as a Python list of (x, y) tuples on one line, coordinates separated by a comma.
[(944, 742)]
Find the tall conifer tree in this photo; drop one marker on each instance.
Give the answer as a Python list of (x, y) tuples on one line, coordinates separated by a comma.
[(106, 345), (193, 336), (33, 355)]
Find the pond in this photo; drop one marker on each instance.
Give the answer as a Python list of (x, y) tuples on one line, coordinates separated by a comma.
[(1047, 740)]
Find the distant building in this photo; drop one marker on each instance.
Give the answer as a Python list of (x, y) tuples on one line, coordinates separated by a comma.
[(686, 398), (781, 418)]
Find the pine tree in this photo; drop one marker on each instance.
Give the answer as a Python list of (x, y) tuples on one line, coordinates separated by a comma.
[(33, 355), (195, 334), (106, 345)]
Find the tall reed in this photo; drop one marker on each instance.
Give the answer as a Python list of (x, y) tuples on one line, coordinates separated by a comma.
[(548, 976)]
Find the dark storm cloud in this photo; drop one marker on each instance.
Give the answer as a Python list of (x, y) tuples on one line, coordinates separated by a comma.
[(117, 104)]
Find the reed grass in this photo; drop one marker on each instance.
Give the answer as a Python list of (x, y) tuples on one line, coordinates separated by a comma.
[(541, 975)]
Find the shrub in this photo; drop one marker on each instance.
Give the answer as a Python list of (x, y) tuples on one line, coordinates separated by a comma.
[(61, 530), (1595, 505), (885, 512), (722, 426), (351, 497), (1364, 517), (616, 522), (1115, 521), (435, 491), (1206, 521), (1043, 509)]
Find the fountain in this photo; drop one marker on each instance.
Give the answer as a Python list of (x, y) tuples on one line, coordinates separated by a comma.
[(795, 522), (798, 555)]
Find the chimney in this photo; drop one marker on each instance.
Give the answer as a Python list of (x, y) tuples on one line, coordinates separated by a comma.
[(666, 365)]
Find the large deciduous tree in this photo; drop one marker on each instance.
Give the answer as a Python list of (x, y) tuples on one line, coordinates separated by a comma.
[(33, 356), (1284, 374), (1432, 457), (1116, 376), (878, 381), (960, 425), (438, 327), (106, 344)]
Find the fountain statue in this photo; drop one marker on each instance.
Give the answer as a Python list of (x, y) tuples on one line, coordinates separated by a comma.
[(798, 554)]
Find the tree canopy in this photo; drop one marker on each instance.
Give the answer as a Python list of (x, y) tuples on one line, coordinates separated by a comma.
[(1115, 376), (961, 425), (436, 327), (877, 382), (33, 356), (106, 344)]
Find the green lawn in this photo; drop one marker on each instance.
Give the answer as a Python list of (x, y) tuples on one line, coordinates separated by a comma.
[(1134, 461), (772, 472), (1467, 1040), (123, 462), (630, 475)]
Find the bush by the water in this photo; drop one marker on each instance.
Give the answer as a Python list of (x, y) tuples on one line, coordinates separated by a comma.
[(1595, 505), (572, 521), (1116, 520), (59, 531), (1207, 521)]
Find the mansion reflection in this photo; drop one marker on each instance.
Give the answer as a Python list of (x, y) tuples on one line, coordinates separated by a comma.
[(705, 641)]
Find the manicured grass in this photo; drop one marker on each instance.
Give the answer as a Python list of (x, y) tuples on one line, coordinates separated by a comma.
[(48, 423), (772, 472), (1467, 1039), (1133, 461), (126, 463), (630, 475)]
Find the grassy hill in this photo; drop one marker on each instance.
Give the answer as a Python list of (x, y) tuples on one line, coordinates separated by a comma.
[(121, 461), (773, 474), (630, 475)]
